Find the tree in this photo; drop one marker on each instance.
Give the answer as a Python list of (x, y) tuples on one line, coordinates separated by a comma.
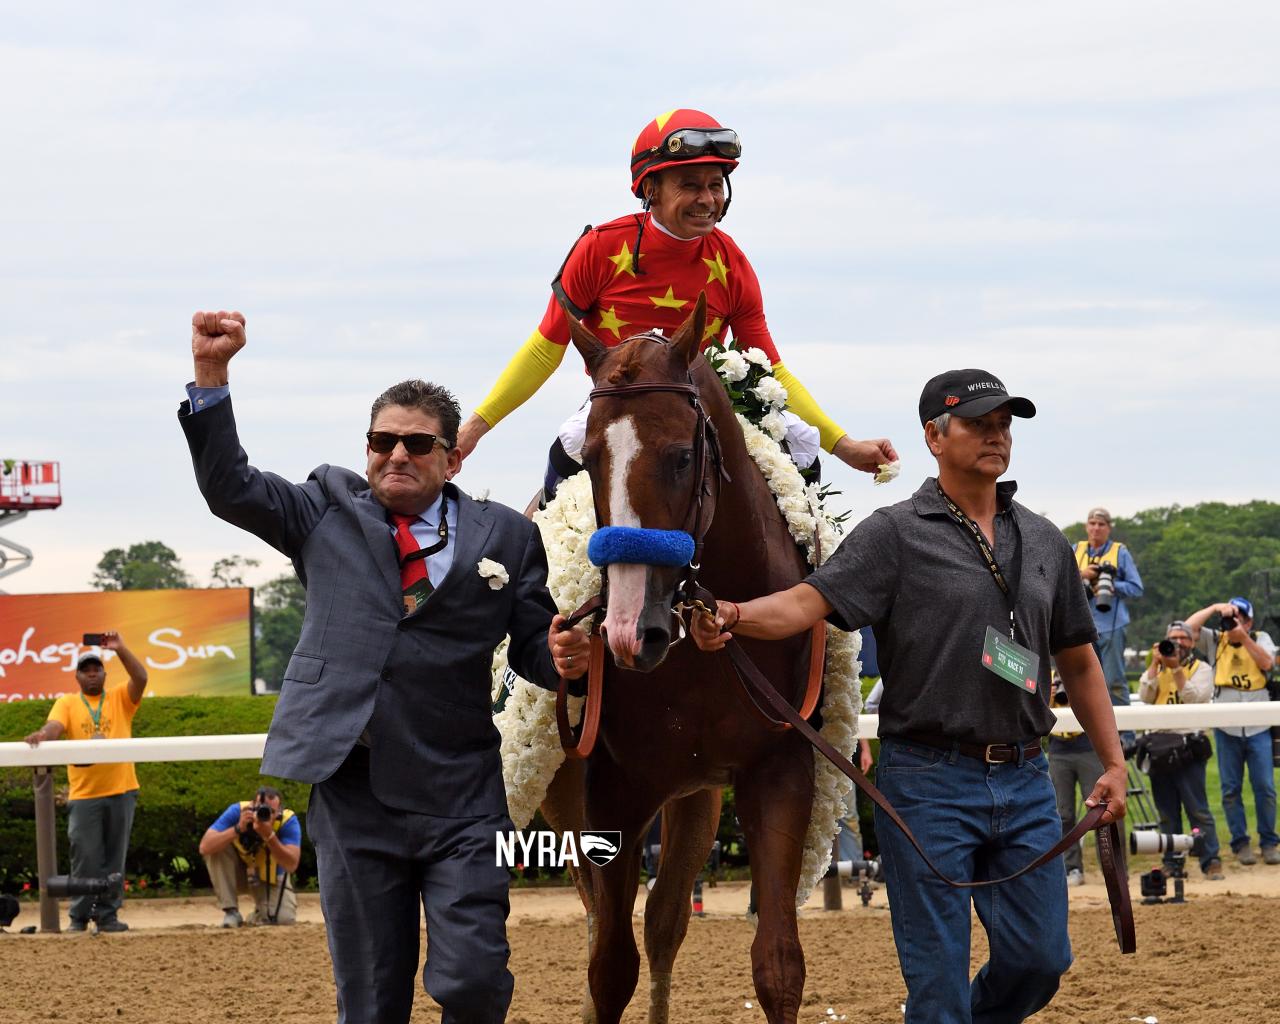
[(149, 565), (281, 605), (229, 571)]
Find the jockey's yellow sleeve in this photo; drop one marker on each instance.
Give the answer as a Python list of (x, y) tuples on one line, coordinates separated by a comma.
[(800, 402), (528, 370)]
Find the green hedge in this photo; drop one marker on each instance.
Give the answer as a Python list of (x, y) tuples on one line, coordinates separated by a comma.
[(177, 800)]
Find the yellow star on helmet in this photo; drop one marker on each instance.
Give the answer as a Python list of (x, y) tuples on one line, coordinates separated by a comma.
[(624, 262), (713, 328), (609, 321), (668, 301), (662, 119), (716, 270)]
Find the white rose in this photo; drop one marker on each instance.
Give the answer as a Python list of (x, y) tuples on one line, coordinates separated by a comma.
[(771, 393), (888, 471), (734, 367), (494, 572), (755, 355)]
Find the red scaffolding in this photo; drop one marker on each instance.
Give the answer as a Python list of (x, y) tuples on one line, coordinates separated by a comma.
[(29, 484)]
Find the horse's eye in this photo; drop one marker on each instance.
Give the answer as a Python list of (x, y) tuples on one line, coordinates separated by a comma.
[(684, 460)]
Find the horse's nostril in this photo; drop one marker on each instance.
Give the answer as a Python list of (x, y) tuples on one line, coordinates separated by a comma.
[(655, 636)]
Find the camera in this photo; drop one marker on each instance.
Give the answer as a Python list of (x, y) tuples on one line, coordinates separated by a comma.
[(263, 812), (1229, 622), (1151, 841), (1104, 588), (1060, 698), (62, 886), (1167, 648), (94, 639)]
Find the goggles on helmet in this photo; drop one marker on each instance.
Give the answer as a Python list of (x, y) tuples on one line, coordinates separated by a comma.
[(691, 143)]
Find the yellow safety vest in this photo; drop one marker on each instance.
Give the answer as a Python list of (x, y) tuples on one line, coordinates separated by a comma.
[(1166, 688), (1234, 669), (1109, 557), (261, 859)]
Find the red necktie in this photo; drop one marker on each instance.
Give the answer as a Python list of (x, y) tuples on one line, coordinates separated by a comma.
[(413, 572)]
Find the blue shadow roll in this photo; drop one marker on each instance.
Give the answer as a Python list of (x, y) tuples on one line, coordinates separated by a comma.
[(636, 546)]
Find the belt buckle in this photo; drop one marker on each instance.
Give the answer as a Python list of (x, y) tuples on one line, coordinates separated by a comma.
[(986, 754)]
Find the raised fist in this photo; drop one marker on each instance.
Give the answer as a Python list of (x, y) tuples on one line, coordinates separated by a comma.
[(216, 337)]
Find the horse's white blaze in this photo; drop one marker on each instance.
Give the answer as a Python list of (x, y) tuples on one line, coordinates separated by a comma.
[(626, 582)]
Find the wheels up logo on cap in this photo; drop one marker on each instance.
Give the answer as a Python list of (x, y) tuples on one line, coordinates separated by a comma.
[(969, 394)]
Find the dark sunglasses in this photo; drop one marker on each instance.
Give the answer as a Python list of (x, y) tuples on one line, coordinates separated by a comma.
[(384, 442)]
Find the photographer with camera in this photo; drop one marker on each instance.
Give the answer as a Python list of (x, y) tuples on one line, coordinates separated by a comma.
[(1241, 658), (1175, 758), (255, 846), (1110, 579), (103, 796)]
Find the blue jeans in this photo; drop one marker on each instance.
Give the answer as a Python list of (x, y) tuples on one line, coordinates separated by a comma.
[(1234, 753), (975, 821), (1184, 790)]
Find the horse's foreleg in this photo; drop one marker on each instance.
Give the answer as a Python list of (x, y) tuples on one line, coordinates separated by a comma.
[(613, 803), (564, 809), (688, 830), (774, 799)]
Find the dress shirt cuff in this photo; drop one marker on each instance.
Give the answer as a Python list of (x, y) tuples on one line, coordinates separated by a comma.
[(206, 398)]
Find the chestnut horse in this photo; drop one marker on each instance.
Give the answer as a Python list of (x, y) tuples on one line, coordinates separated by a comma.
[(674, 727)]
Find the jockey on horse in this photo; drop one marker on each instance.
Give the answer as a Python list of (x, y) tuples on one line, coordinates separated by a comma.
[(643, 272)]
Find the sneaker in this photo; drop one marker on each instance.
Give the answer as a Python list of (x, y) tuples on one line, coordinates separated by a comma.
[(1271, 854), (1245, 855), (77, 926), (1075, 877), (114, 925), (1213, 870), (232, 919)]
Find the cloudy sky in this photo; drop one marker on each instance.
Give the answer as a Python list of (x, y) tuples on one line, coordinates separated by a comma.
[(1082, 198)]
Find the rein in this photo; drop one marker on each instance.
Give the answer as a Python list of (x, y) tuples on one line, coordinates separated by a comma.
[(768, 700)]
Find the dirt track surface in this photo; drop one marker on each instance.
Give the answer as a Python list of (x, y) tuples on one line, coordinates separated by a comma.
[(1210, 961)]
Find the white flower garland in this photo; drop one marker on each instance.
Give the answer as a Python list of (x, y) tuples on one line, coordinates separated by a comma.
[(531, 750)]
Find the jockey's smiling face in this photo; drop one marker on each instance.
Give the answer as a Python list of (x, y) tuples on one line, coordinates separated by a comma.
[(687, 201), (407, 483)]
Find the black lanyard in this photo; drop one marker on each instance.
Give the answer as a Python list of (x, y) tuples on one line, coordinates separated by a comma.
[(988, 555), (442, 532)]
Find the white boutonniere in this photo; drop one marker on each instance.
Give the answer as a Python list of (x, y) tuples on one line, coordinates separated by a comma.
[(888, 471), (494, 572)]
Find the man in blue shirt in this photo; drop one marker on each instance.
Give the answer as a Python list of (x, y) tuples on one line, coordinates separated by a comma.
[(1111, 578), (254, 845)]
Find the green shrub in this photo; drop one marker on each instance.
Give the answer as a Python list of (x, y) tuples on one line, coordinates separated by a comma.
[(177, 800)]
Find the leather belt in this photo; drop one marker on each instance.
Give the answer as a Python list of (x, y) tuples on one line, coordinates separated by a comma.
[(990, 753)]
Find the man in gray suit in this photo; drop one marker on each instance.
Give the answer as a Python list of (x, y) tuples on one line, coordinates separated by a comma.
[(385, 706)]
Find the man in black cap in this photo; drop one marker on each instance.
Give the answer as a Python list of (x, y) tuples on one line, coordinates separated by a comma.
[(969, 595)]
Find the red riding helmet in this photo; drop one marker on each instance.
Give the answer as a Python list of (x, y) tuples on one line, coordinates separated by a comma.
[(682, 136)]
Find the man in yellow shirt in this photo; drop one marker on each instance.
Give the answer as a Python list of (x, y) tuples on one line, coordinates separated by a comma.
[(100, 805)]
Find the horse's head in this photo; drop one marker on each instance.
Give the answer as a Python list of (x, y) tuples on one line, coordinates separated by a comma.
[(650, 452)]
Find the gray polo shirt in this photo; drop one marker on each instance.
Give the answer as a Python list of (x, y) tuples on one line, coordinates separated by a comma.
[(916, 577)]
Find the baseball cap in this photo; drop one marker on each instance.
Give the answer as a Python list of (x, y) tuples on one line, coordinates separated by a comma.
[(1099, 513), (969, 393), (87, 656), (1244, 604)]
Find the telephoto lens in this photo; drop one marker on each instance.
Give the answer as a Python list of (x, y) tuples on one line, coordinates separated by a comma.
[(1167, 648), (1104, 590), (62, 886)]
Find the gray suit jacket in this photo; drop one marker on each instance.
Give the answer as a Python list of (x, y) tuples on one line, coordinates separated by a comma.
[(419, 683)]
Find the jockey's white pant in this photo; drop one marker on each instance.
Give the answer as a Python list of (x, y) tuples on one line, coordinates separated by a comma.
[(802, 438)]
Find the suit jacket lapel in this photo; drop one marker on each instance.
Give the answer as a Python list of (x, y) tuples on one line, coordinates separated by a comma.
[(475, 523), (373, 523)]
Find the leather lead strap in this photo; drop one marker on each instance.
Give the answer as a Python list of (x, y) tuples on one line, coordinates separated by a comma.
[(764, 695)]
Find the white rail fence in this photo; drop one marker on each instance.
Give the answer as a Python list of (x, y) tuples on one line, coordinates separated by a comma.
[(248, 746)]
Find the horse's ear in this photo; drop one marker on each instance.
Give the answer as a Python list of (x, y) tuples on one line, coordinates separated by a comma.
[(591, 348), (688, 337)]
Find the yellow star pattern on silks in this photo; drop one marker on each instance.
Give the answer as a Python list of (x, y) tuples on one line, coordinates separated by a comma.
[(716, 270), (668, 301), (609, 321), (662, 119), (624, 262), (713, 328)]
